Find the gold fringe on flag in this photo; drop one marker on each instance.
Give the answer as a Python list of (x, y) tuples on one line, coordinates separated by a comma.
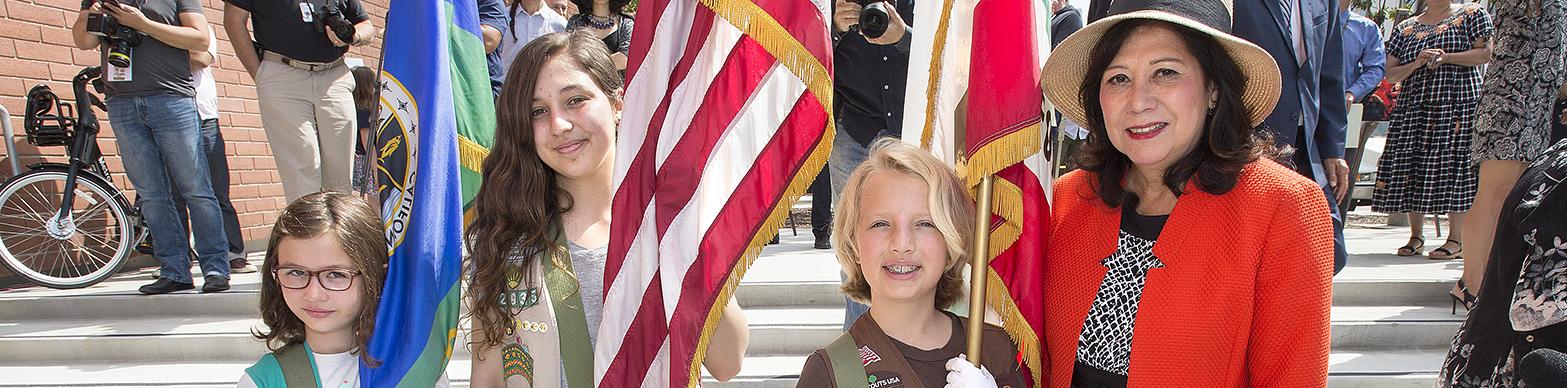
[(1012, 321), (772, 36), (471, 155), (1021, 141), (932, 85)]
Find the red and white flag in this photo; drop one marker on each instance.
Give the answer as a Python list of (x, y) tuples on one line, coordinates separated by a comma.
[(727, 122), (976, 67)]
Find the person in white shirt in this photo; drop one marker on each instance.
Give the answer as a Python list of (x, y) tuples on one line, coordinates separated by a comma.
[(530, 19), (201, 63)]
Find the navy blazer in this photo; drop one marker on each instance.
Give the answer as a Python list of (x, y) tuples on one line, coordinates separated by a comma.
[(1317, 94)]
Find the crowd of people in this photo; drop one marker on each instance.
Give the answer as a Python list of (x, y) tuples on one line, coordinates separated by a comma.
[(1201, 218)]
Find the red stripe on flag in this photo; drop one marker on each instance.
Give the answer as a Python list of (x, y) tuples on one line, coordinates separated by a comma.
[(631, 361), (803, 21), (648, 14), (742, 217), (682, 172), (635, 192)]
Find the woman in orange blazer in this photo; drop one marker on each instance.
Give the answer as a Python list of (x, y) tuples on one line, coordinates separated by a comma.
[(1183, 255)]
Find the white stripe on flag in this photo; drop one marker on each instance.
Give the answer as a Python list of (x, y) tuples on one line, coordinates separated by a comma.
[(728, 164), (687, 98), (658, 371), (624, 296), (652, 80)]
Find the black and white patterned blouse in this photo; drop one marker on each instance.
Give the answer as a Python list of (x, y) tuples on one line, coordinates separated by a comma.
[(1104, 349)]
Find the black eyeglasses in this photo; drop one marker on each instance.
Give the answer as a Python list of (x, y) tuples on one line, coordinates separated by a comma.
[(295, 278)]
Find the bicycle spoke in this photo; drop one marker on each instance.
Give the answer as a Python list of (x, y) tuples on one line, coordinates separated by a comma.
[(28, 208), (39, 227), (87, 254), (35, 232), (103, 240), (89, 213), (16, 243), (104, 243), (65, 259)]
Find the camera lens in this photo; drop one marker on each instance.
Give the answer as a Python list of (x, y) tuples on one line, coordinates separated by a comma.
[(874, 20), (118, 57)]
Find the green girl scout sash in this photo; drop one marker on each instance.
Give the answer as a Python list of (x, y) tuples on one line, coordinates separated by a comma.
[(548, 332), (290, 366)]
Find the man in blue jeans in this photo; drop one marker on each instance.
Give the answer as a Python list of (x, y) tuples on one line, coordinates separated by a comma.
[(153, 115)]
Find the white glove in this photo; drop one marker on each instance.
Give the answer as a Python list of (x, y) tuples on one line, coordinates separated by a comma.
[(962, 374)]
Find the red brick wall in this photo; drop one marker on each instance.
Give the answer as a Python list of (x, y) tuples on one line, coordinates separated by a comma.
[(36, 48)]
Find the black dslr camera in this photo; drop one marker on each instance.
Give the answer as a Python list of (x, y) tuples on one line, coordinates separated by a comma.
[(120, 37), (873, 18), (329, 15)]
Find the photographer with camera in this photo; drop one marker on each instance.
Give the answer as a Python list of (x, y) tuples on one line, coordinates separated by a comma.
[(871, 65), (305, 92), (148, 84)]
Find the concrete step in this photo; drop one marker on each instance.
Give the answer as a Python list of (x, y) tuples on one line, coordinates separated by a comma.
[(1346, 370), (794, 276), (774, 332)]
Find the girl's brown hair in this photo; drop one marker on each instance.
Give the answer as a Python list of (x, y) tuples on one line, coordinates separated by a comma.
[(364, 88), (357, 228), (519, 206)]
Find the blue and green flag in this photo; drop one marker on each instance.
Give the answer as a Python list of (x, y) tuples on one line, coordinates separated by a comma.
[(437, 120)]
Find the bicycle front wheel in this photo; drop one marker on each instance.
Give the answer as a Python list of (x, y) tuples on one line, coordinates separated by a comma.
[(70, 252)]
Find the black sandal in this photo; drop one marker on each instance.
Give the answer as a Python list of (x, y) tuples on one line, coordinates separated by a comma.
[(1412, 248), (1468, 299), (1447, 254)]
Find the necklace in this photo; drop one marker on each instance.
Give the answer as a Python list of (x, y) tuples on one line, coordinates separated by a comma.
[(601, 22)]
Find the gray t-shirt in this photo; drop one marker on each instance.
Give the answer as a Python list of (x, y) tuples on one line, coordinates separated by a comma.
[(588, 264), (156, 67)]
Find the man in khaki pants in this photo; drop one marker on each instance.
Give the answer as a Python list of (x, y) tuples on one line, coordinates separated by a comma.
[(305, 91)]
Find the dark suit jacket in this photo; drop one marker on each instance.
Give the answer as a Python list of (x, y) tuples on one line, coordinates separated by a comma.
[(1313, 90)]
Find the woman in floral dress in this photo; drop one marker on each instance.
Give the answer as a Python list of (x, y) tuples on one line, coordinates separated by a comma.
[(1516, 114), (1523, 299)]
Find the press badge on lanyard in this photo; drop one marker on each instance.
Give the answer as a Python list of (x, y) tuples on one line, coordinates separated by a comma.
[(305, 13), (121, 74)]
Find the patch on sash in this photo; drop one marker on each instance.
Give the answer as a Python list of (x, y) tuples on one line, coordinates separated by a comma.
[(515, 361), (868, 356), (520, 299), (884, 380), (529, 326)]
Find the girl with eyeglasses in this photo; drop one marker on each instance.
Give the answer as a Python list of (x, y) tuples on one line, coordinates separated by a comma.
[(326, 261)]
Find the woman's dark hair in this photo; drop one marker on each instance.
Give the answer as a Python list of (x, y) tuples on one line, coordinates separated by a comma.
[(357, 228), (617, 7), (520, 204), (1226, 144)]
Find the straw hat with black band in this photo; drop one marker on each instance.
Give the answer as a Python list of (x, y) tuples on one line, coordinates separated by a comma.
[(1069, 61)]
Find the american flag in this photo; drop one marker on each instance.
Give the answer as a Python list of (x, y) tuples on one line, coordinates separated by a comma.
[(727, 121)]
